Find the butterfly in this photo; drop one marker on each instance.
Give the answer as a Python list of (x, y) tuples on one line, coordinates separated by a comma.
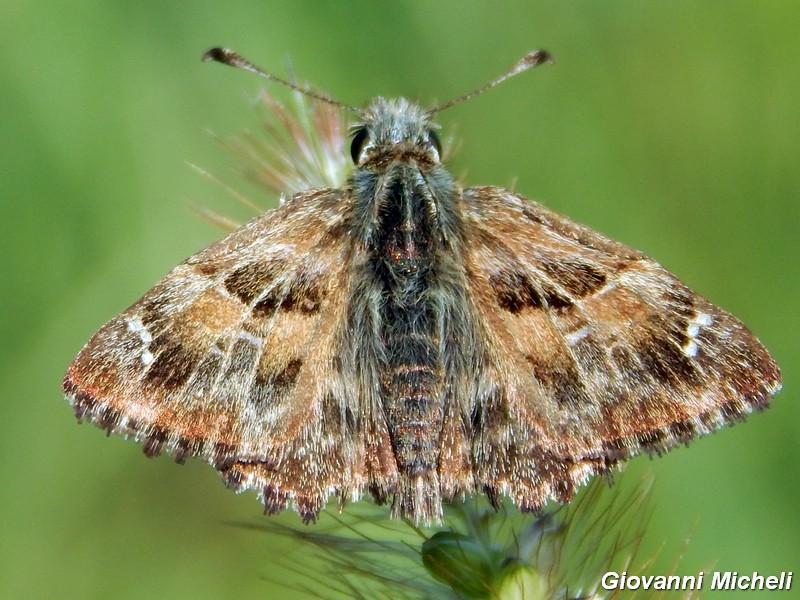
[(408, 338)]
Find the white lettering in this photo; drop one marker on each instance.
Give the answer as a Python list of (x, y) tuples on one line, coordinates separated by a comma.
[(721, 581), (757, 580), (610, 580)]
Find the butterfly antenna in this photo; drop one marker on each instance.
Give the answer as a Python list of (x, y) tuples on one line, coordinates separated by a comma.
[(530, 60), (226, 56)]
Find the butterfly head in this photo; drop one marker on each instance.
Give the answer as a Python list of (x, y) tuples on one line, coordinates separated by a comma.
[(394, 129)]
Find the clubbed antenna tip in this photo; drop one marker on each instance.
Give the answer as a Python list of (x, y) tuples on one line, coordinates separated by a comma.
[(226, 56), (530, 60)]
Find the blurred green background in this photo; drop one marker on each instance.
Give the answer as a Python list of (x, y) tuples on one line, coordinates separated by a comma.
[(671, 126)]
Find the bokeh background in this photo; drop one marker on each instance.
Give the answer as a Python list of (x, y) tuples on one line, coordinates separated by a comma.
[(671, 126)]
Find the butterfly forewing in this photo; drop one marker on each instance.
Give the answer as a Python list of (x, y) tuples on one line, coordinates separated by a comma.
[(231, 353)]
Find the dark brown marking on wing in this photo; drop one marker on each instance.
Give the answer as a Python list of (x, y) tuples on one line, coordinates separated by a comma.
[(680, 301), (654, 438), (665, 362), (304, 296), (512, 287), (208, 269), (174, 361), (515, 292), (577, 278), (248, 281), (242, 357), (154, 442), (561, 379), (274, 500), (287, 378), (223, 456), (186, 448), (677, 331), (269, 387), (152, 312), (267, 305), (338, 418), (683, 431)]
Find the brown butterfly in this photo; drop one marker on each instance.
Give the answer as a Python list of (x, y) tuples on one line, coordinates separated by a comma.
[(416, 340)]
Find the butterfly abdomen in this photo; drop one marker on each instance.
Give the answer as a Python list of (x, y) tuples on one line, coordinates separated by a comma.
[(411, 386)]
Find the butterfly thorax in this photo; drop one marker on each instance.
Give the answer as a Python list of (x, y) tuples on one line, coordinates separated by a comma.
[(405, 201), (407, 216)]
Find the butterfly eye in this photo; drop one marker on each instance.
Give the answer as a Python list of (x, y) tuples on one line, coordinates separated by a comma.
[(434, 139), (359, 139)]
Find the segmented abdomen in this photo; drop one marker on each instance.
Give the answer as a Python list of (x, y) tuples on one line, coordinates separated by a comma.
[(411, 384)]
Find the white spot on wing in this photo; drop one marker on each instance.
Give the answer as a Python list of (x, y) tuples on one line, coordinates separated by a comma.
[(250, 338), (147, 357), (703, 319), (576, 336), (699, 321), (135, 325)]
